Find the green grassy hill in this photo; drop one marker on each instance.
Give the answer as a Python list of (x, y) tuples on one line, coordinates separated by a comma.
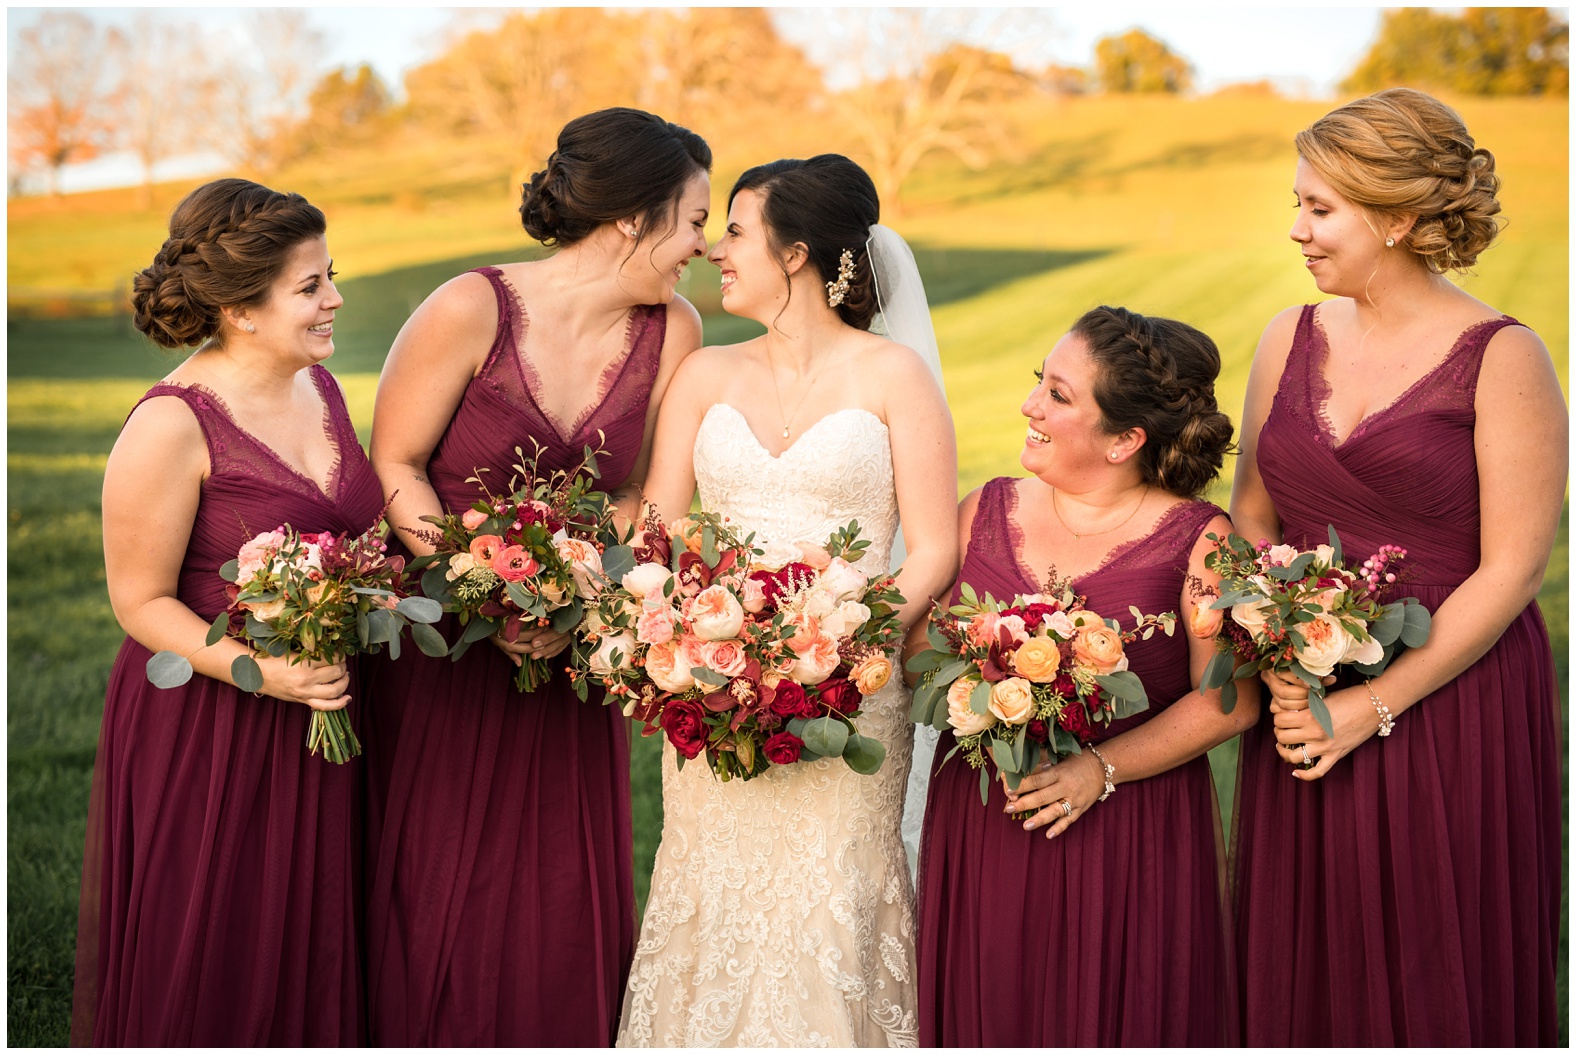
[(1175, 207)]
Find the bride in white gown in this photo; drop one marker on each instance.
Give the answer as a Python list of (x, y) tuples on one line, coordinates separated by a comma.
[(781, 909)]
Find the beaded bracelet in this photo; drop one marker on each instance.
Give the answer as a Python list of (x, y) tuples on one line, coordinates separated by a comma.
[(1386, 721), (1110, 771)]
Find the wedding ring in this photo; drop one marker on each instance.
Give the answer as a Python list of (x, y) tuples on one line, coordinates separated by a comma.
[(1305, 759), (1067, 808)]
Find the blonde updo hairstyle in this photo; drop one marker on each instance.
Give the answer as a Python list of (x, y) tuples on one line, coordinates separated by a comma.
[(229, 240), (1400, 152)]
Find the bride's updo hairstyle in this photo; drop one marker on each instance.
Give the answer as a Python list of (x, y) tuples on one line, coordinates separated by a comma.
[(1159, 375), (611, 164), (1402, 151), (229, 240), (829, 204)]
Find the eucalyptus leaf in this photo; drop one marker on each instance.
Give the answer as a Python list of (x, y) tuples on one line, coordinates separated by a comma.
[(708, 546), (1124, 685), (567, 618), (230, 570), (1228, 697), (825, 736), (984, 787), (478, 629), (168, 670), (1001, 751), (1418, 624), (864, 754), (419, 609), (216, 632), (258, 630), (617, 562), (380, 626), (1218, 671), (435, 584), (925, 662), (394, 646), (707, 676), (1335, 544), (1321, 712), (524, 599), (363, 628), (246, 674), (1387, 628), (428, 640), (952, 671), (979, 699), (925, 698)]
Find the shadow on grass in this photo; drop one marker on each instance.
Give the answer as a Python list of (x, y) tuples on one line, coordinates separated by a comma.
[(376, 306)]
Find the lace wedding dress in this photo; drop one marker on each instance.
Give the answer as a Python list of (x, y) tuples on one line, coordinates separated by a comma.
[(781, 908)]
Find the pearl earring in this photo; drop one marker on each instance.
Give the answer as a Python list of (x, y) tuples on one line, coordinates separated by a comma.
[(1113, 456), (250, 328), (1389, 243), (633, 232)]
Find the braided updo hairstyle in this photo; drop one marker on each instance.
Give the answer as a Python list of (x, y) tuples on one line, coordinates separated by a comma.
[(229, 240), (828, 203), (1403, 151), (1159, 375), (610, 164)]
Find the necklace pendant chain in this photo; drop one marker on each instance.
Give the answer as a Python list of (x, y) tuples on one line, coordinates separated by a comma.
[(785, 432)]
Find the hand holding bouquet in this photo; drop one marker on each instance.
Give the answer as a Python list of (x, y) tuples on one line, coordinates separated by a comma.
[(322, 597), (1303, 613), (528, 557), (1027, 678), (754, 656)]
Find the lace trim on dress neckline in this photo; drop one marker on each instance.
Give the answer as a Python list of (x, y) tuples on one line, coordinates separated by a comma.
[(1319, 390), (798, 439), (1015, 536), (531, 378), (330, 429)]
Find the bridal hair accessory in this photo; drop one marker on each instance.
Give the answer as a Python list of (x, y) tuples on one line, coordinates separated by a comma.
[(836, 291)]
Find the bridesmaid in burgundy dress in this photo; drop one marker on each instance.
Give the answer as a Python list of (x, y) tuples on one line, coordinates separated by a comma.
[(220, 877), (1405, 889), (501, 908), (1111, 929)]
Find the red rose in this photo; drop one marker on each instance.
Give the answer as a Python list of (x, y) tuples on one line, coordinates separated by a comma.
[(841, 695), (1035, 614), (1064, 687), (791, 701), (1076, 721), (1038, 731), (782, 748), (685, 723)]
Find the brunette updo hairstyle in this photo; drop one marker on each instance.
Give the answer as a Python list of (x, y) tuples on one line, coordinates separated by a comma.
[(1159, 375), (611, 164), (1403, 151), (229, 240), (828, 203)]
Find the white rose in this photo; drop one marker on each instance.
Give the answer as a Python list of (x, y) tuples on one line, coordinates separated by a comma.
[(602, 659), (585, 564), (1061, 625), (716, 614), (1250, 615), (1324, 555), (846, 582), (1325, 641), (644, 579), (850, 616), (460, 564), (775, 555), (1364, 652)]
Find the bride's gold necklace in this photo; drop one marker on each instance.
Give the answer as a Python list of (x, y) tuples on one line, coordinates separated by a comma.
[(1102, 531), (787, 418)]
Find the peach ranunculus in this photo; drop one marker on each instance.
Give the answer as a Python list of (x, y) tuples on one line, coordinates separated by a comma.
[(585, 564), (1325, 641), (602, 661), (725, 657), (962, 717), (717, 615), (1203, 621), (1012, 701), (655, 626), (257, 553), (1083, 618), (871, 674), (816, 663), (850, 616), (1037, 659), (485, 548), (669, 665), (1100, 648), (472, 519), (689, 531), (646, 579), (514, 564), (752, 595)]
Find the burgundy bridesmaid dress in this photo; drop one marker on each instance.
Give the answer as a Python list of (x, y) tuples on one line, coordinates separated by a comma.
[(501, 906), (1115, 932), (220, 878), (1412, 896)]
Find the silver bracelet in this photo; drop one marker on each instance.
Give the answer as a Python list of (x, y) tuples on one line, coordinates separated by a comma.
[(1110, 771), (1386, 720)]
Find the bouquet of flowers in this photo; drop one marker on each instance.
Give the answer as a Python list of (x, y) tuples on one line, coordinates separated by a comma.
[(322, 597), (757, 656), (527, 557), (1027, 678), (1303, 612)]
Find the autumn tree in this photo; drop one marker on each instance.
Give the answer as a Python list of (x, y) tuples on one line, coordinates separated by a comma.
[(344, 108), (57, 103), (1137, 62), (1481, 51), (158, 87), (257, 85)]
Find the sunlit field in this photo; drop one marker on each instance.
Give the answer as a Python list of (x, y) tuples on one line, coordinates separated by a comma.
[(1166, 206)]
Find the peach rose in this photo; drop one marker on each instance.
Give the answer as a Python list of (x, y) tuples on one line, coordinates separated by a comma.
[(1100, 648), (725, 657), (1324, 555), (1037, 659), (585, 564), (964, 720), (815, 663), (646, 579), (1204, 621), (753, 596), (1011, 701), (1325, 641), (717, 614), (871, 674), (472, 519), (485, 548), (815, 556), (1281, 556), (553, 593), (655, 626), (669, 667)]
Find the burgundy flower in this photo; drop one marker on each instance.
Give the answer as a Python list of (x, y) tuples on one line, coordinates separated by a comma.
[(791, 577), (841, 695), (651, 547), (685, 723), (1035, 614), (1038, 731), (1076, 721), (791, 701), (782, 748)]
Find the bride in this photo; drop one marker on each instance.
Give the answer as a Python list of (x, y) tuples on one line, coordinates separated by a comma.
[(781, 909)]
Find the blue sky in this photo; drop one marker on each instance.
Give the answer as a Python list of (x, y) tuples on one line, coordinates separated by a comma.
[(1304, 49)]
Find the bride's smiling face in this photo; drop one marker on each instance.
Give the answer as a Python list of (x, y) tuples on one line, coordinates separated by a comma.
[(754, 285), (1064, 440)]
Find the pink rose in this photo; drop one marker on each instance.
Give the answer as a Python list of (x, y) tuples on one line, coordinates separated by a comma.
[(473, 519), (256, 554), (655, 626), (815, 663), (1281, 556), (725, 657), (1014, 625), (717, 614), (753, 596), (1059, 624), (514, 564)]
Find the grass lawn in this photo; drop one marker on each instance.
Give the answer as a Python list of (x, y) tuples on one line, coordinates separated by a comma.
[(1166, 206)]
